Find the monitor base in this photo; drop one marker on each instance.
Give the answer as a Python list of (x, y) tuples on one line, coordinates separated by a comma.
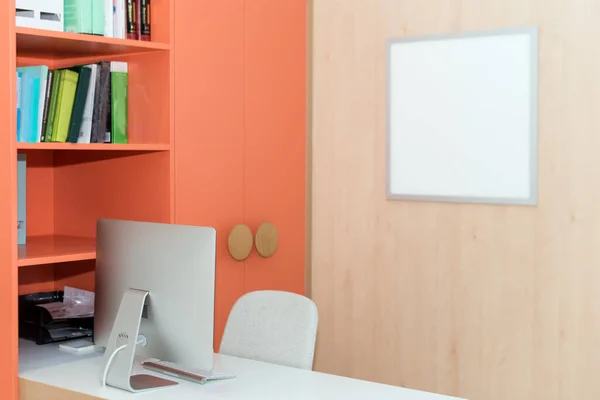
[(120, 350), (143, 382)]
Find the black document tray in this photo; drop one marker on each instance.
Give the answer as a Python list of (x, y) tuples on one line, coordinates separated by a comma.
[(36, 323)]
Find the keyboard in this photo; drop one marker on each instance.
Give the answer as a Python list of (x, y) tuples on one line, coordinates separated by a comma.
[(188, 374)]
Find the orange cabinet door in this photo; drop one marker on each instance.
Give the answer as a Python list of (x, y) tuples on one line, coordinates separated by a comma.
[(209, 131), (275, 142)]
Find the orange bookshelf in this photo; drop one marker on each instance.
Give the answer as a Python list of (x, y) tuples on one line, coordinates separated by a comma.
[(70, 186), (50, 249)]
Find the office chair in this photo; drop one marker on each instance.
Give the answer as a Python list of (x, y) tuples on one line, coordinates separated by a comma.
[(272, 326)]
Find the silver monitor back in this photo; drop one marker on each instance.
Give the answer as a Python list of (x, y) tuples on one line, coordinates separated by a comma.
[(176, 265)]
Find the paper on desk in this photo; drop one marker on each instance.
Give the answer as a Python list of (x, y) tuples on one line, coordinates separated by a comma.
[(78, 297), (77, 303)]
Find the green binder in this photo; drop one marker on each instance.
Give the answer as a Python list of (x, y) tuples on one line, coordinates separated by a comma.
[(64, 105), (118, 111), (52, 107), (83, 85)]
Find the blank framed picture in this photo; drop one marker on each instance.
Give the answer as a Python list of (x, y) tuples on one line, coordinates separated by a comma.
[(462, 117)]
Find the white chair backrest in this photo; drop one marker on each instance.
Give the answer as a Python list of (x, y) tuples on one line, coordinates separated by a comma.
[(272, 326)]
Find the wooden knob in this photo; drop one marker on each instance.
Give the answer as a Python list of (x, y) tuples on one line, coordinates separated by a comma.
[(240, 242), (267, 239)]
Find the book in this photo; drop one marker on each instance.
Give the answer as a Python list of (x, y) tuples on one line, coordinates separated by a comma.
[(21, 198), (43, 71), (78, 16), (34, 96), (46, 105), (138, 19), (108, 129), (26, 83), (132, 19), (30, 90), (101, 103), (119, 83), (98, 17), (85, 132), (145, 20), (83, 83), (120, 19), (108, 18), (32, 108), (64, 105), (19, 79), (52, 107)]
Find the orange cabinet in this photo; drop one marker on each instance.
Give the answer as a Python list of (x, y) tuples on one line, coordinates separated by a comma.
[(240, 135), (275, 138)]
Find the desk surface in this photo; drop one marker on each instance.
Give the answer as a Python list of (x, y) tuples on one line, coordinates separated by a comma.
[(254, 380)]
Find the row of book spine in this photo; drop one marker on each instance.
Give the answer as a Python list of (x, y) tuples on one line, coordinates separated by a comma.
[(82, 104), (123, 19)]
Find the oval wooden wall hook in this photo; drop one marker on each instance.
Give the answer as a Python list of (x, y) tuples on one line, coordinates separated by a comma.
[(240, 242), (266, 239)]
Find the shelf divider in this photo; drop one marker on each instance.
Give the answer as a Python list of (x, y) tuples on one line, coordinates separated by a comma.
[(52, 249), (45, 43)]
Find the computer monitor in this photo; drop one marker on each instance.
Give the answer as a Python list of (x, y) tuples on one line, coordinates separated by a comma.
[(175, 265)]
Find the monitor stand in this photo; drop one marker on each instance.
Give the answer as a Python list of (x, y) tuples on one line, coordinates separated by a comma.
[(125, 331)]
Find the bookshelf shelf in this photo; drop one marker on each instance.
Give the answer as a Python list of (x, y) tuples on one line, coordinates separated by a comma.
[(56, 249), (93, 147), (44, 43)]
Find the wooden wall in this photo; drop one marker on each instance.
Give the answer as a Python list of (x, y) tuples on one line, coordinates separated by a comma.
[(484, 302)]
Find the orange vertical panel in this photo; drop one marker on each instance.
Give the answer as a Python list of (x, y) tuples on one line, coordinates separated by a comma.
[(275, 48), (150, 97), (40, 193), (120, 185), (37, 278), (8, 207), (75, 274), (209, 123), (161, 26)]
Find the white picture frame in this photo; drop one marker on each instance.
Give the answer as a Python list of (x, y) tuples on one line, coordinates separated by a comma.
[(462, 117)]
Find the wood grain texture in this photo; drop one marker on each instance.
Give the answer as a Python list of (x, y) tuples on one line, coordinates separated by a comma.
[(267, 239), (240, 242), (30, 390), (483, 302)]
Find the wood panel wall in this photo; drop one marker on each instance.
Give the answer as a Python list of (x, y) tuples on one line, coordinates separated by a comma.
[(483, 302)]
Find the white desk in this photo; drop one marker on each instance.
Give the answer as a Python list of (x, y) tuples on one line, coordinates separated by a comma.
[(57, 370)]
